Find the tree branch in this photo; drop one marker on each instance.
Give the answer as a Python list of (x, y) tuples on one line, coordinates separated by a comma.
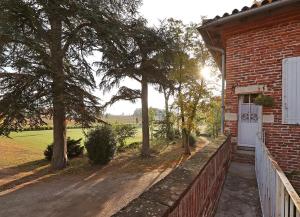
[(73, 35)]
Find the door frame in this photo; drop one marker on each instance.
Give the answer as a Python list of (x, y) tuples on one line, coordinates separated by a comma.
[(260, 123)]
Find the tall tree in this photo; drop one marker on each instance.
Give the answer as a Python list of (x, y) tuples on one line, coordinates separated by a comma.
[(167, 88), (133, 57), (44, 47), (213, 116), (194, 99), (187, 54)]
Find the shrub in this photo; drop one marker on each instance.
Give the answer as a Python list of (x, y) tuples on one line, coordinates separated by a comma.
[(192, 140), (177, 133), (134, 145), (74, 149), (264, 100), (161, 131), (101, 144), (124, 132)]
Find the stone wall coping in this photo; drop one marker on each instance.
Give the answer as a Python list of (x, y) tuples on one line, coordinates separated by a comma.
[(162, 197)]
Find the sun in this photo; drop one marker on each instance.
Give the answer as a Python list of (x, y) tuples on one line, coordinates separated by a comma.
[(205, 73)]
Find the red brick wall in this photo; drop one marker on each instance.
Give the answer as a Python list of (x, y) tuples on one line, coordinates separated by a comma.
[(254, 57)]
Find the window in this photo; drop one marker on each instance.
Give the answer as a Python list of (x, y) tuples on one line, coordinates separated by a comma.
[(248, 111), (249, 98), (291, 90)]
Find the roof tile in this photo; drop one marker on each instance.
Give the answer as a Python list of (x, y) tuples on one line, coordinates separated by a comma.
[(245, 8)]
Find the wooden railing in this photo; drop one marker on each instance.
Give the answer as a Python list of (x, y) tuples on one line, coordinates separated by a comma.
[(191, 190), (277, 195)]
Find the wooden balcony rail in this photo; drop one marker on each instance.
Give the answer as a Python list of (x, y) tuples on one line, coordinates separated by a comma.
[(277, 195)]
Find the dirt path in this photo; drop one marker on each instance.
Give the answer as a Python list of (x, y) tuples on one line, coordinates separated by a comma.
[(89, 192)]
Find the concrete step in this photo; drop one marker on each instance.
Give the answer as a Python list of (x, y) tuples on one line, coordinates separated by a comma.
[(244, 155), (245, 148)]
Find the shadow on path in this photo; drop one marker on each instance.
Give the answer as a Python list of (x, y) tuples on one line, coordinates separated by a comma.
[(85, 191)]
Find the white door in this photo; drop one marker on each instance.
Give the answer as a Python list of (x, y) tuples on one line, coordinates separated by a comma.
[(249, 122)]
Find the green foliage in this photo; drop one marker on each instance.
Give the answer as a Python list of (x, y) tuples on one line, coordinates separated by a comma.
[(187, 55), (134, 56), (163, 131), (134, 145), (213, 117), (101, 144), (264, 100), (41, 128), (152, 120), (74, 149), (177, 133), (124, 132), (46, 44), (192, 140)]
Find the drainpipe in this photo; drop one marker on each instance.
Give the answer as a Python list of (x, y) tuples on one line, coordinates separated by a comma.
[(223, 84)]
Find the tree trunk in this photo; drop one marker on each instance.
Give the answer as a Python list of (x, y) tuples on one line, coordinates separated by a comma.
[(183, 124), (187, 146), (59, 157), (145, 119), (168, 124), (186, 137), (183, 131)]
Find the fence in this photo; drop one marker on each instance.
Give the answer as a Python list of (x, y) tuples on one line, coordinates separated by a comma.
[(202, 197), (191, 190), (277, 195)]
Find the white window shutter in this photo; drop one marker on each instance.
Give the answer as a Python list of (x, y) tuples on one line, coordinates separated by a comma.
[(291, 90)]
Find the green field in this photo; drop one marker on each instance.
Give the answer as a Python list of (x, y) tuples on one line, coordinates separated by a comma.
[(38, 140), (29, 146)]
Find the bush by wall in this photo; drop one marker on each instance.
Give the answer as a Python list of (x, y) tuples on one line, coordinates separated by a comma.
[(123, 132), (101, 144), (74, 149)]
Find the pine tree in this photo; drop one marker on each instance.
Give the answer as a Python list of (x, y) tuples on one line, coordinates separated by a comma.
[(135, 57), (44, 46)]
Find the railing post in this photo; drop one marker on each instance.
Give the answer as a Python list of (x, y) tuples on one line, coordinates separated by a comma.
[(286, 204), (277, 195)]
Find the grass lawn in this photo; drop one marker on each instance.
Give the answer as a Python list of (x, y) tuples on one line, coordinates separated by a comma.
[(35, 190), (38, 140), (29, 146)]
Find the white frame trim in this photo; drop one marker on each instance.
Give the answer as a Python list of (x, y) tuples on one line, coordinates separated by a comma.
[(283, 98), (260, 122)]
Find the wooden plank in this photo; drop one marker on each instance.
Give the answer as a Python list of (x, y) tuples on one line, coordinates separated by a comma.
[(278, 197), (282, 214), (290, 189), (286, 204), (292, 208)]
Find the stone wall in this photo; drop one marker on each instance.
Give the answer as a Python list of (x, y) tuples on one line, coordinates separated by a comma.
[(192, 190)]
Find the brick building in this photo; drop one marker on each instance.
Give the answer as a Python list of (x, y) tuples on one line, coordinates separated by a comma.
[(261, 50)]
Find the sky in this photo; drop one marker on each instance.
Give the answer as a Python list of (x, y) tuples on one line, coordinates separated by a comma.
[(186, 10)]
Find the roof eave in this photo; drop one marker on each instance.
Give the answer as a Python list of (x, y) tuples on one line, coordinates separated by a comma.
[(213, 24), (250, 12)]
